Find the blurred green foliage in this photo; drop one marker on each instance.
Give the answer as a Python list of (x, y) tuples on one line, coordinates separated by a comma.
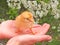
[(38, 1), (13, 12), (43, 0), (6, 12), (53, 29), (46, 1), (3, 9)]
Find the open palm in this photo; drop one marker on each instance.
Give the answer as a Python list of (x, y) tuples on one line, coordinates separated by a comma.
[(7, 29)]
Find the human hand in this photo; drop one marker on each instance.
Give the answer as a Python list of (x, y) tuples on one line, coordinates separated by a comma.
[(28, 39), (40, 29), (7, 29)]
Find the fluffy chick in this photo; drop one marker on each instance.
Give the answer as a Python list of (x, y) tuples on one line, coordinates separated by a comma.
[(24, 21)]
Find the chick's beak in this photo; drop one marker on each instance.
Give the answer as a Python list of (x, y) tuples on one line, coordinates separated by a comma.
[(31, 20)]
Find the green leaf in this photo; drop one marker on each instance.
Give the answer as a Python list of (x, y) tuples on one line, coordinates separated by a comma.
[(54, 42), (38, 1), (38, 43), (47, 1), (58, 6)]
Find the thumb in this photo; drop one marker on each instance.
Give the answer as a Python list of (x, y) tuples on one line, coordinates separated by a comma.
[(28, 39)]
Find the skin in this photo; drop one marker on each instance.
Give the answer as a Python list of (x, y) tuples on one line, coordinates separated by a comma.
[(7, 29), (28, 39), (40, 29)]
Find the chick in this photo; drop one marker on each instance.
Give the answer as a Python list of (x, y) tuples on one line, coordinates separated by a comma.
[(24, 21)]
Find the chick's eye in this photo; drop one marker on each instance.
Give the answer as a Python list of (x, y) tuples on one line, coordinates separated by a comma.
[(27, 19)]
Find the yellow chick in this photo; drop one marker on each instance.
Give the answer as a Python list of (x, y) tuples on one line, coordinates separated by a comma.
[(24, 20)]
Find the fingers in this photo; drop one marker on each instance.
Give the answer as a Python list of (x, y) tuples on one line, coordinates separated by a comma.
[(33, 38), (44, 38), (45, 28), (28, 39), (40, 30), (36, 29), (6, 33)]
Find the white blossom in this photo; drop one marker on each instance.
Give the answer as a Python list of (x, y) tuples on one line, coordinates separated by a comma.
[(48, 6), (9, 4), (53, 27), (18, 6), (15, 0), (32, 11), (15, 4), (8, 1), (40, 13), (37, 12), (45, 12), (44, 5), (29, 5), (58, 29), (1, 44), (38, 9), (54, 3), (32, 5), (56, 16), (24, 2)]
